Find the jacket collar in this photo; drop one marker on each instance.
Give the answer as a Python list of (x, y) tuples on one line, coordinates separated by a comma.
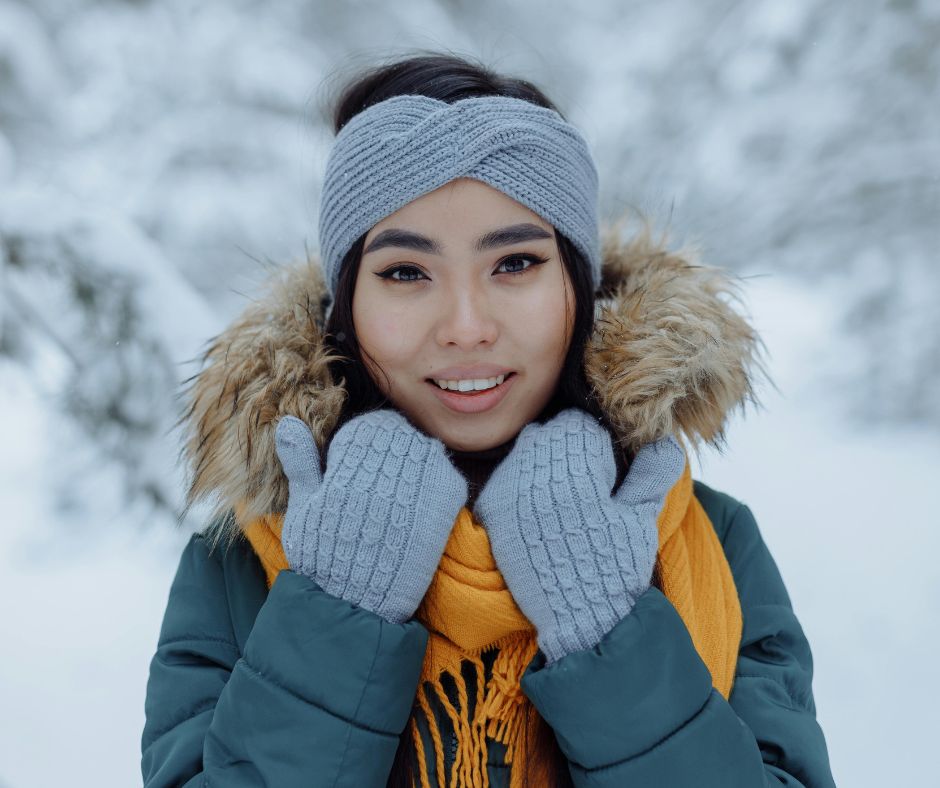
[(668, 354)]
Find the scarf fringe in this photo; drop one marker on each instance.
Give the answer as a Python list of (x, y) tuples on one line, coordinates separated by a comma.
[(502, 712), (468, 610)]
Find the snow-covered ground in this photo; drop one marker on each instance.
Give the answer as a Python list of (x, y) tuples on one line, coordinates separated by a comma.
[(844, 513), (155, 156)]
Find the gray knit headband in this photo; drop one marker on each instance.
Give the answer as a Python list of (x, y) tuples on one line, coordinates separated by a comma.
[(399, 149)]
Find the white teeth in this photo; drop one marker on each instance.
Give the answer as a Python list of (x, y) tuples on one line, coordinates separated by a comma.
[(476, 384)]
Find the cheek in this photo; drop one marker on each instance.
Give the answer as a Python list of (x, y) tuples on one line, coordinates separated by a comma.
[(387, 337), (541, 323)]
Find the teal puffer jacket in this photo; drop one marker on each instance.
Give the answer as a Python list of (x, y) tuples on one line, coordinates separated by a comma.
[(293, 687)]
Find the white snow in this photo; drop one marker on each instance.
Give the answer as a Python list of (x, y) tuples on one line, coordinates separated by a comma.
[(844, 514), (155, 157)]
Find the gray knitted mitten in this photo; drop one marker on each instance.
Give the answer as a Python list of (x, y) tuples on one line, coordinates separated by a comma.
[(574, 557), (372, 529)]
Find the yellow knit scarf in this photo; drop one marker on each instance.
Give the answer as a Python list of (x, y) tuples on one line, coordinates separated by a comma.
[(468, 610)]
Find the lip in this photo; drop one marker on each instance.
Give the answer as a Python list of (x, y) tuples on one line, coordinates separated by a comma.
[(474, 371), (473, 403)]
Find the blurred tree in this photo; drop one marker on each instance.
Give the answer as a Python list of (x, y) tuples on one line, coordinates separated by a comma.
[(152, 153)]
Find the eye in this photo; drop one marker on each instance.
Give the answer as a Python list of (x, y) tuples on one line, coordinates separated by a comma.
[(534, 259), (389, 273), (410, 273)]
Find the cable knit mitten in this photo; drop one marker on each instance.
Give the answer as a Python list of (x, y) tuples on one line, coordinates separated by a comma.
[(574, 557), (372, 529)]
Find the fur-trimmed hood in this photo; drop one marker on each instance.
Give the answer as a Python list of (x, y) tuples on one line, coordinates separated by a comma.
[(669, 354)]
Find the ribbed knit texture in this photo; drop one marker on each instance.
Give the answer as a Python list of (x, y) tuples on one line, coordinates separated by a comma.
[(399, 149), (575, 557), (372, 529), (468, 604), (468, 609)]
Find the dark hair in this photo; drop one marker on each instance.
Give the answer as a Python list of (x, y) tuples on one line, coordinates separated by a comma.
[(362, 393), (449, 78)]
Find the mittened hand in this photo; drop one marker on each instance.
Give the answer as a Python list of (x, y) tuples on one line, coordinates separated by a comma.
[(373, 527), (574, 557)]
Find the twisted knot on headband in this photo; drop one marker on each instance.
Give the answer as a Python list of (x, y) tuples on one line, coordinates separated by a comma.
[(399, 149)]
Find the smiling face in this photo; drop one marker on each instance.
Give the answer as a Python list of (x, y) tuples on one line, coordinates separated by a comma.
[(464, 283)]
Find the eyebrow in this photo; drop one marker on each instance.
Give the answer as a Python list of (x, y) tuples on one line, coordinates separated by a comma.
[(504, 236)]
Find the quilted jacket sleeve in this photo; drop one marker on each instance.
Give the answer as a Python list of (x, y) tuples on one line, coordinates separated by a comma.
[(317, 695), (640, 709)]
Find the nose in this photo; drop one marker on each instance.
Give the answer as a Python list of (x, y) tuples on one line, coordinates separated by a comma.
[(467, 319)]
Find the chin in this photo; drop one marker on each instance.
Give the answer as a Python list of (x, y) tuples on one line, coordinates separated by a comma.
[(476, 439), (455, 445)]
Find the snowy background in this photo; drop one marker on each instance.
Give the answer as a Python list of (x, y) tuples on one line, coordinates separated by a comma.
[(156, 156)]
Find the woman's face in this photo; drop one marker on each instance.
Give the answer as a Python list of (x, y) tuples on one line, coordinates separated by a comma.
[(453, 286)]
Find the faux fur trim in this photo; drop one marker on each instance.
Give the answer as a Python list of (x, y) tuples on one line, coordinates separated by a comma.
[(669, 354)]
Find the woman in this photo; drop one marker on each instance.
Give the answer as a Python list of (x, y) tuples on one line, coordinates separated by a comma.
[(457, 541)]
